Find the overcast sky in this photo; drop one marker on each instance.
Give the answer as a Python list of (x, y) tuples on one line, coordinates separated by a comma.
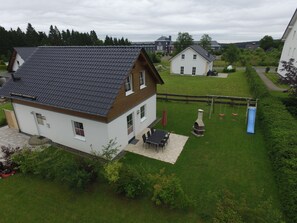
[(146, 20)]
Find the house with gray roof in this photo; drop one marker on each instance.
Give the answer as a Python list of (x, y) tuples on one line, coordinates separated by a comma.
[(82, 97), (164, 45), (194, 60)]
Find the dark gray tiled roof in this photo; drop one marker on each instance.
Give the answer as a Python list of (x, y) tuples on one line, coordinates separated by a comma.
[(163, 38), (204, 53), (85, 79), (25, 52)]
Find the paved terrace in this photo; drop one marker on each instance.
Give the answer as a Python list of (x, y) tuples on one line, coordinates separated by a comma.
[(169, 154)]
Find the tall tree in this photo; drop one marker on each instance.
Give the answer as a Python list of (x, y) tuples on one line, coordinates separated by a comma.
[(32, 37), (231, 54), (205, 42), (182, 42), (267, 42), (54, 36)]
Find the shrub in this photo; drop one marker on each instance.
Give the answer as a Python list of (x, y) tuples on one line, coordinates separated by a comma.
[(125, 179), (280, 129), (267, 69), (8, 151), (55, 164), (167, 190), (225, 70)]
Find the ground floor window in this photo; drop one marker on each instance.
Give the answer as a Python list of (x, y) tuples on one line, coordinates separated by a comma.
[(130, 123), (142, 112), (193, 70), (79, 129), (40, 119), (182, 70)]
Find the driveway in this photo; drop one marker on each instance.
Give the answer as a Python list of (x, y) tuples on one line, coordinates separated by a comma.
[(12, 137), (270, 85)]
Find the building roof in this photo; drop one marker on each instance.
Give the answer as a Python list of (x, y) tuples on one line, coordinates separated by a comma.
[(163, 38), (204, 53), (84, 79), (25, 52), (290, 26)]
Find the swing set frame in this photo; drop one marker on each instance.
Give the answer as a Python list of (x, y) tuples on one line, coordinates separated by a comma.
[(231, 100)]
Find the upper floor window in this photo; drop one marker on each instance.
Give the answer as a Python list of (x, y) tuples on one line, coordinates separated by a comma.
[(40, 119), (79, 129), (182, 70), (183, 56), (128, 85), (195, 56), (142, 79)]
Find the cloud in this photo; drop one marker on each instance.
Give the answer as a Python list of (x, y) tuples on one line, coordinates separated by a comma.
[(225, 21)]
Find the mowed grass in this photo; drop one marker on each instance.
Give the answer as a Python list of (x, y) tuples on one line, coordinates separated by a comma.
[(225, 158), (234, 85), (274, 77)]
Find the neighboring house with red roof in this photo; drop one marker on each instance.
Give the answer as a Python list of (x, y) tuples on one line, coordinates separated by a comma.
[(290, 45), (82, 97), (194, 60)]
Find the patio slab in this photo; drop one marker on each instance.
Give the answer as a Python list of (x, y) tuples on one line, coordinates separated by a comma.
[(169, 154)]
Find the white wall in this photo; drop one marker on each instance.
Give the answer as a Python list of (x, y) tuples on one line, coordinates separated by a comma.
[(202, 65), (59, 128), (289, 49), (15, 65)]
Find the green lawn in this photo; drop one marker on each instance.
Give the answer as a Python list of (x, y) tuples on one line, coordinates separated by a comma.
[(274, 77), (234, 85), (8, 106)]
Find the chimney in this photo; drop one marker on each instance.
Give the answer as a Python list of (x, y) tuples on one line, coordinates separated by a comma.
[(15, 78), (200, 114)]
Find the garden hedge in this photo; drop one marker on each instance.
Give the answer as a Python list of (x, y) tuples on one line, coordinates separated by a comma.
[(280, 129)]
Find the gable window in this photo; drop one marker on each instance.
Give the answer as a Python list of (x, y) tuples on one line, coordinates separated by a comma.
[(128, 85), (195, 56), (183, 56), (39, 119), (182, 70), (142, 79), (193, 70), (142, 113), (79, 130)]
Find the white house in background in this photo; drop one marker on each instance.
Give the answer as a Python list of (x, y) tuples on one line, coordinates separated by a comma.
[(290, 45), (193, 60), (82, 97), (19, 56)]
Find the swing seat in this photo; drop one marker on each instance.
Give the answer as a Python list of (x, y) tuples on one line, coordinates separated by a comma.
[(221, 115), (234, 114)]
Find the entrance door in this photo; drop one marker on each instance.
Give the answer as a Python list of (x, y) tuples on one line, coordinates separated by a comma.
[(41, 123), (130, 127)]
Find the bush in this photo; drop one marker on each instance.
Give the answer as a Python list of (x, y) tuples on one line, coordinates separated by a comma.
[(155, 58), (267, 69), (280, 129), (126, 180), (56, 164), (167, 190)]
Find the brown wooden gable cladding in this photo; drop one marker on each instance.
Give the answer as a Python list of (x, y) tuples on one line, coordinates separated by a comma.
[(11, 61), (122, 102)]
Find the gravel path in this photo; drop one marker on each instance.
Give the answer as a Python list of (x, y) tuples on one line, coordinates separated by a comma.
[(270, 85)]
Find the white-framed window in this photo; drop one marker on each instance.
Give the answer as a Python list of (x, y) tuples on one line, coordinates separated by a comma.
[(142, 113), (193, 70), (130, 123), (128, 85), (79, 131), (194, 56), (40, 119), (182, 70), (183, 56), (142, 79)]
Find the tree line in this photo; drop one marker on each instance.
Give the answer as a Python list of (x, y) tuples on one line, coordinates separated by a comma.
[(32, 38)]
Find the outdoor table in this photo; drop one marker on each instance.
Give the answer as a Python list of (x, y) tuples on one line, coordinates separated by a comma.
[(157, 137)]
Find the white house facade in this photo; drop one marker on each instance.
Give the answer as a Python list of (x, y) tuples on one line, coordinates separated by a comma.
[(290, 43), (194, 60), (61, 128)]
